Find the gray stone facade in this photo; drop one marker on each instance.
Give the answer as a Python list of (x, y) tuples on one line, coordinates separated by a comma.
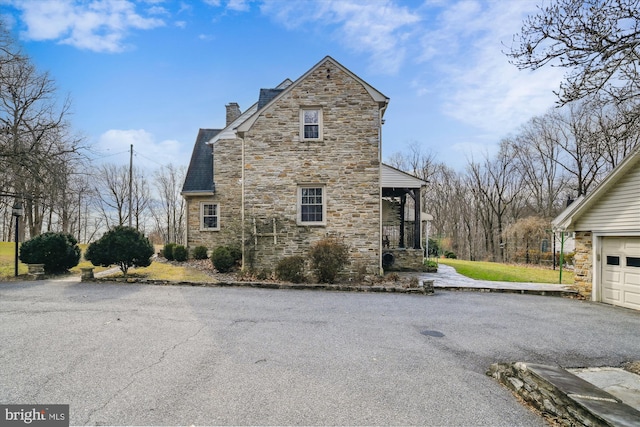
[(258, 198), (583, 260)]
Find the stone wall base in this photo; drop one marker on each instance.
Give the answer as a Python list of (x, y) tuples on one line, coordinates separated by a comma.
[(403, 259)]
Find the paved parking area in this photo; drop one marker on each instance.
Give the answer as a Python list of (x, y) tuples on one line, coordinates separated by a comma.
[(162, 355)]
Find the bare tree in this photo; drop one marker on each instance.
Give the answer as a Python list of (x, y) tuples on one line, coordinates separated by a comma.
[(582, 150), (113, 194), (538, 156), (617, 128), (597, 40), (416, 161), (496, 184), (168, 211), (34, 133)]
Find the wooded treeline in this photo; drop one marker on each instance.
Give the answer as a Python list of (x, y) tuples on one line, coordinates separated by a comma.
[(47, 168), (500, 206)]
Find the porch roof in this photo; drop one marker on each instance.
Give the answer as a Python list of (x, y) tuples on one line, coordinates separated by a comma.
[(395, 182)]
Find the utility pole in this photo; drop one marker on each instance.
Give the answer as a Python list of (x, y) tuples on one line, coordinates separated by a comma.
[(130, 186)]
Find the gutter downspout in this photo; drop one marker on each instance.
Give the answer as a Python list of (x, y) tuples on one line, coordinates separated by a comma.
[(241, 136), (383, 108)]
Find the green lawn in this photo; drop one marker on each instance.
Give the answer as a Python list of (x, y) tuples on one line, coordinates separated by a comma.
[(494, 271), (7, 259)]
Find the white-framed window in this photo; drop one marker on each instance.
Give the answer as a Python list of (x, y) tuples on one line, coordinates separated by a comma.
[(311, 124), (312, 205), (209, 216)]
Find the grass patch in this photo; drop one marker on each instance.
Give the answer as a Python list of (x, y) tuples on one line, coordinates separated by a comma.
[(164, 271), (497, 272), (7, 260)]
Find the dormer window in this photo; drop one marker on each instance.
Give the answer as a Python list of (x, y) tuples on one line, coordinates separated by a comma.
[(311, 124)]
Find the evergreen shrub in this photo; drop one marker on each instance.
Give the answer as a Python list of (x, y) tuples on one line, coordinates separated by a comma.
[(223, 259), (199, 252), (57, 251), (167, 251), (124, 246), (180, 253)]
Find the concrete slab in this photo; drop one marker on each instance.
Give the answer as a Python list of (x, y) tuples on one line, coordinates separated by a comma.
[(590, 396), (618, 382), (448, 279)]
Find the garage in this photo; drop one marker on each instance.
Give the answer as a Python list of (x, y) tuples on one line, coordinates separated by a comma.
[(606, 227), (620, 262)]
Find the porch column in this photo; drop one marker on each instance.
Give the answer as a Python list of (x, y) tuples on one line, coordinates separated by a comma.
[(403, 204), (417, 229)]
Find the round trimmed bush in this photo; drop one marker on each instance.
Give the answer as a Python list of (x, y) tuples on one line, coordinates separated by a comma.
[(180, 253), (123, 246), (57, 251), (167, 251), (222, 259), (199, 252)]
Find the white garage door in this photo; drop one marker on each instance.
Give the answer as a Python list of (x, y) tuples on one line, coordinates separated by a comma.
[(621, 271)]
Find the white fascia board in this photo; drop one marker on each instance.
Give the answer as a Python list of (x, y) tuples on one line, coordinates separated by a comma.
[(197, 193), (230, 131), (564, 220)]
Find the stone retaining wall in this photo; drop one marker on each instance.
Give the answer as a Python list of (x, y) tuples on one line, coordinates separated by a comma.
[(425, 287), (406, 259), (539, 392)]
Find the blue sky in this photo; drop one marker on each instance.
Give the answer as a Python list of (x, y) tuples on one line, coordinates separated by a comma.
[(151, 73)]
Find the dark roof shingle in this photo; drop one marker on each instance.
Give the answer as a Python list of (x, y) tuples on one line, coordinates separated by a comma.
[(266, 95), (200, 173)]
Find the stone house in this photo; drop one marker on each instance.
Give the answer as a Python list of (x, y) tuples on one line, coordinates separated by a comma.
[(301, 164), (606, 224)]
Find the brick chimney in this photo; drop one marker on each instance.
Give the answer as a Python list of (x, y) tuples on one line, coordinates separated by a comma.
[(233, 112)]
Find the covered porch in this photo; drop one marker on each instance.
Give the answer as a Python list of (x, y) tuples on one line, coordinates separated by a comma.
[(402, 239)]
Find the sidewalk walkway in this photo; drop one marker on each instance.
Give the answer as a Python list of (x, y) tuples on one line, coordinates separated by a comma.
[(448, 279)]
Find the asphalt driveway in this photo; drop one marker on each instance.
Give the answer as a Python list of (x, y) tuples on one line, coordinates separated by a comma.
[(157, 355)]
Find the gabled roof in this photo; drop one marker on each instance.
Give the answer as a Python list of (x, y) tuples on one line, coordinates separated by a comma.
[(573, 212), (266, 95), (199, 179), (375, 94)]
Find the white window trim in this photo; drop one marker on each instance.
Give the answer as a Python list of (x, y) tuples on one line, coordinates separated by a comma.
[(201, 217), (320, 124), (324, 205)]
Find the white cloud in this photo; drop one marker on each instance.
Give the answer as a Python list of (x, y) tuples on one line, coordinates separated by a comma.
[(476, 83), (380, 28), (149, 154), (96, 25), (238, 5)]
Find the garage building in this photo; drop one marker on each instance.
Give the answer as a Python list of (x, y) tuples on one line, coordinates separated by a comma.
[(606, 224)]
